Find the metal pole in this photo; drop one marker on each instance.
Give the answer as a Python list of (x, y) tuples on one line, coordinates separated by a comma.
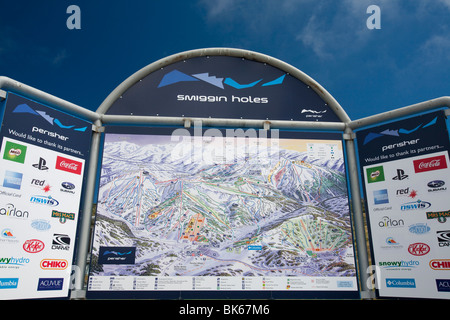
[(220, 122), (85, 228), (358, 220), (401, 112)]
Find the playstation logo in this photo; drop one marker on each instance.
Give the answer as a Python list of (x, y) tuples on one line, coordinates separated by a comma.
[(400, 175), (41, 165)]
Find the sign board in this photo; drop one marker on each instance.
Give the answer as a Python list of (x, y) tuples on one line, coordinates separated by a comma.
[(224, 213), (43, 157), (406, 171), (223, 87)]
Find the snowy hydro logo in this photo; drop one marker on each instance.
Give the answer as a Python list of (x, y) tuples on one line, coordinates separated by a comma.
[(213, 147)]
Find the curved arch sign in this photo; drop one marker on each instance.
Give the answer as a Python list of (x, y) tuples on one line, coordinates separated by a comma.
[(224, 87)]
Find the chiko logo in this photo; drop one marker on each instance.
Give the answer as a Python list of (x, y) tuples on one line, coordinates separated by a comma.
[(68, 165), (54, 264), (415, 205), (418, 249), (440, 264), (430, 164), (24, 108), (33, 246)]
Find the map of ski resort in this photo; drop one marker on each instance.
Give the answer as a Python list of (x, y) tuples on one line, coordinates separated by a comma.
[(219, 213)]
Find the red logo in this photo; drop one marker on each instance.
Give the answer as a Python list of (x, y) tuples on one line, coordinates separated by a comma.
[(429, 164), (418, 249), (68, 165), (33, 246)]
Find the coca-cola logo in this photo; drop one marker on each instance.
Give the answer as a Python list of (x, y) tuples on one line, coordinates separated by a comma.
[(68, 165), (429, 164)]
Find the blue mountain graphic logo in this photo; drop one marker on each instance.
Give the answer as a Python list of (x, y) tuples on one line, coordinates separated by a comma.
[(24, 108), (396, 133), (176, 76)]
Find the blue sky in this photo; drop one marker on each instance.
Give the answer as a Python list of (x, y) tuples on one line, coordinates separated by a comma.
[(366, 71)]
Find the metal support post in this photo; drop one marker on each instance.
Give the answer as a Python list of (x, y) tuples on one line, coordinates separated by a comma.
[(358, 220), (85, 228)]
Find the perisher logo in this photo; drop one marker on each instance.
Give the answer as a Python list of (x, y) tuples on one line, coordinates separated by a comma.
[(68, 165)]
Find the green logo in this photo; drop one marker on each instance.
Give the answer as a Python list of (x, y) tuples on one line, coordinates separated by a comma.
[(14, 152), (375, 174)]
